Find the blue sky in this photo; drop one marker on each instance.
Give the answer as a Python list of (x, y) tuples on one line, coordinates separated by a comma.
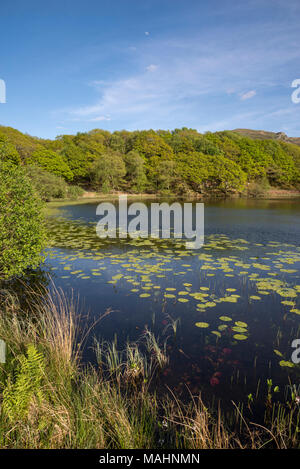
[(73, 66)]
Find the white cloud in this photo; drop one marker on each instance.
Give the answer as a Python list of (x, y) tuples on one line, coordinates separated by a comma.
[(151, 68), (248, 95), (84, 117), (195, 75), (99, 118)]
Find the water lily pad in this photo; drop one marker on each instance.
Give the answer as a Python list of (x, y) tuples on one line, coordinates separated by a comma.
[(240, 337), (202, 325), (241, 324), (239, 329), (287, 364)]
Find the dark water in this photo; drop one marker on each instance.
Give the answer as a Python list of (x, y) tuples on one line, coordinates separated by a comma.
[(242, 288)]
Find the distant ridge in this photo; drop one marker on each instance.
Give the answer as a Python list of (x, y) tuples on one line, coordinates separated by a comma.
[(264, 135)]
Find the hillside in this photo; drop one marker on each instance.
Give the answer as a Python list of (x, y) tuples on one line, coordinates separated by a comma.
[(181, 161), (264, 135)]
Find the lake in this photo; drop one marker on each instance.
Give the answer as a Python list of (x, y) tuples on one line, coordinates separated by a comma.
[(229, 311)]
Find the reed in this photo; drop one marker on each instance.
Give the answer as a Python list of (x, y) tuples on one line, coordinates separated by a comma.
[(49, 399)]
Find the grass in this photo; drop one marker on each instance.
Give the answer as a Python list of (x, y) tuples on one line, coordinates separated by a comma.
[(49, 399)]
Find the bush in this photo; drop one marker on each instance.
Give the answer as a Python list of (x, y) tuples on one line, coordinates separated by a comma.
[(21, 222), (258, 189), (49, 186), (73, 192)]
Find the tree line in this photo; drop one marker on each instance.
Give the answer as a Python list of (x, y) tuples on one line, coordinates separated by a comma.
[(181, 161)]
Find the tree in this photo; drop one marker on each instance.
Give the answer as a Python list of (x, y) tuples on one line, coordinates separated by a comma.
[(21, 222), (24, 144), (135, 171), (181, 160), (119, 140), (52, 162), (225, 175), (80, 151), (164, 175), (150, 145), (78, 161), (8, 151), (193, 168), (107, 171)]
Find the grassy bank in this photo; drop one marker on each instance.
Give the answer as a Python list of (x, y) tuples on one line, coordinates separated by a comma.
[(50, 400)]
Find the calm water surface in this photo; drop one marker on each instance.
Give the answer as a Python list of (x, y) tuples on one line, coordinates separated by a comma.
[(237, 298)]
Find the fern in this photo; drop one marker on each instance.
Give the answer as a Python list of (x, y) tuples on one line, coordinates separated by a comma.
[(26, 385)]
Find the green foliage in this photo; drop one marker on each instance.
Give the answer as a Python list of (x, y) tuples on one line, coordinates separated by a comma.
[(163, 175), (119, 141), (108, 171), (206, 173), (258, 189), (225, 175), (50, 400), (182, 160), (49, 186), (73, 192), (24, 144), (52, 162), (80, 151), (135, 171), (150, 145), (21, 222), (192, 167), (25, 386), (8, 151)]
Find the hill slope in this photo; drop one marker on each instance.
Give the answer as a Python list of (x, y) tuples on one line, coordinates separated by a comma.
[(181, 160), (265, 135)]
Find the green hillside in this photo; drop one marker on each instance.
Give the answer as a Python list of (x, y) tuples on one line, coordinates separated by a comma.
[(181, 161)]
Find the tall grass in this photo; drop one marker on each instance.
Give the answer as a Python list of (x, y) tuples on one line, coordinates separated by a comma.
[(50, 400)]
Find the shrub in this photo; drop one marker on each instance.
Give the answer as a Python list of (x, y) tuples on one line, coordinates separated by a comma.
[(73, 192), (258, 189), (49, 186), (21, 222)]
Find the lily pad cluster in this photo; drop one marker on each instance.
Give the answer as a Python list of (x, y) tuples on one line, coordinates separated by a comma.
[(215, 288)]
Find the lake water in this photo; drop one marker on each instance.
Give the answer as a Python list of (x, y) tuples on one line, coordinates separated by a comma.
[(237, 298)]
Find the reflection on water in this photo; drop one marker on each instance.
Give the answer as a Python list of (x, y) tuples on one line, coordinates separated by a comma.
[(237, 298)]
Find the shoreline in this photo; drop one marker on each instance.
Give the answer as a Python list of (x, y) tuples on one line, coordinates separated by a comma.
[(92, 197)]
